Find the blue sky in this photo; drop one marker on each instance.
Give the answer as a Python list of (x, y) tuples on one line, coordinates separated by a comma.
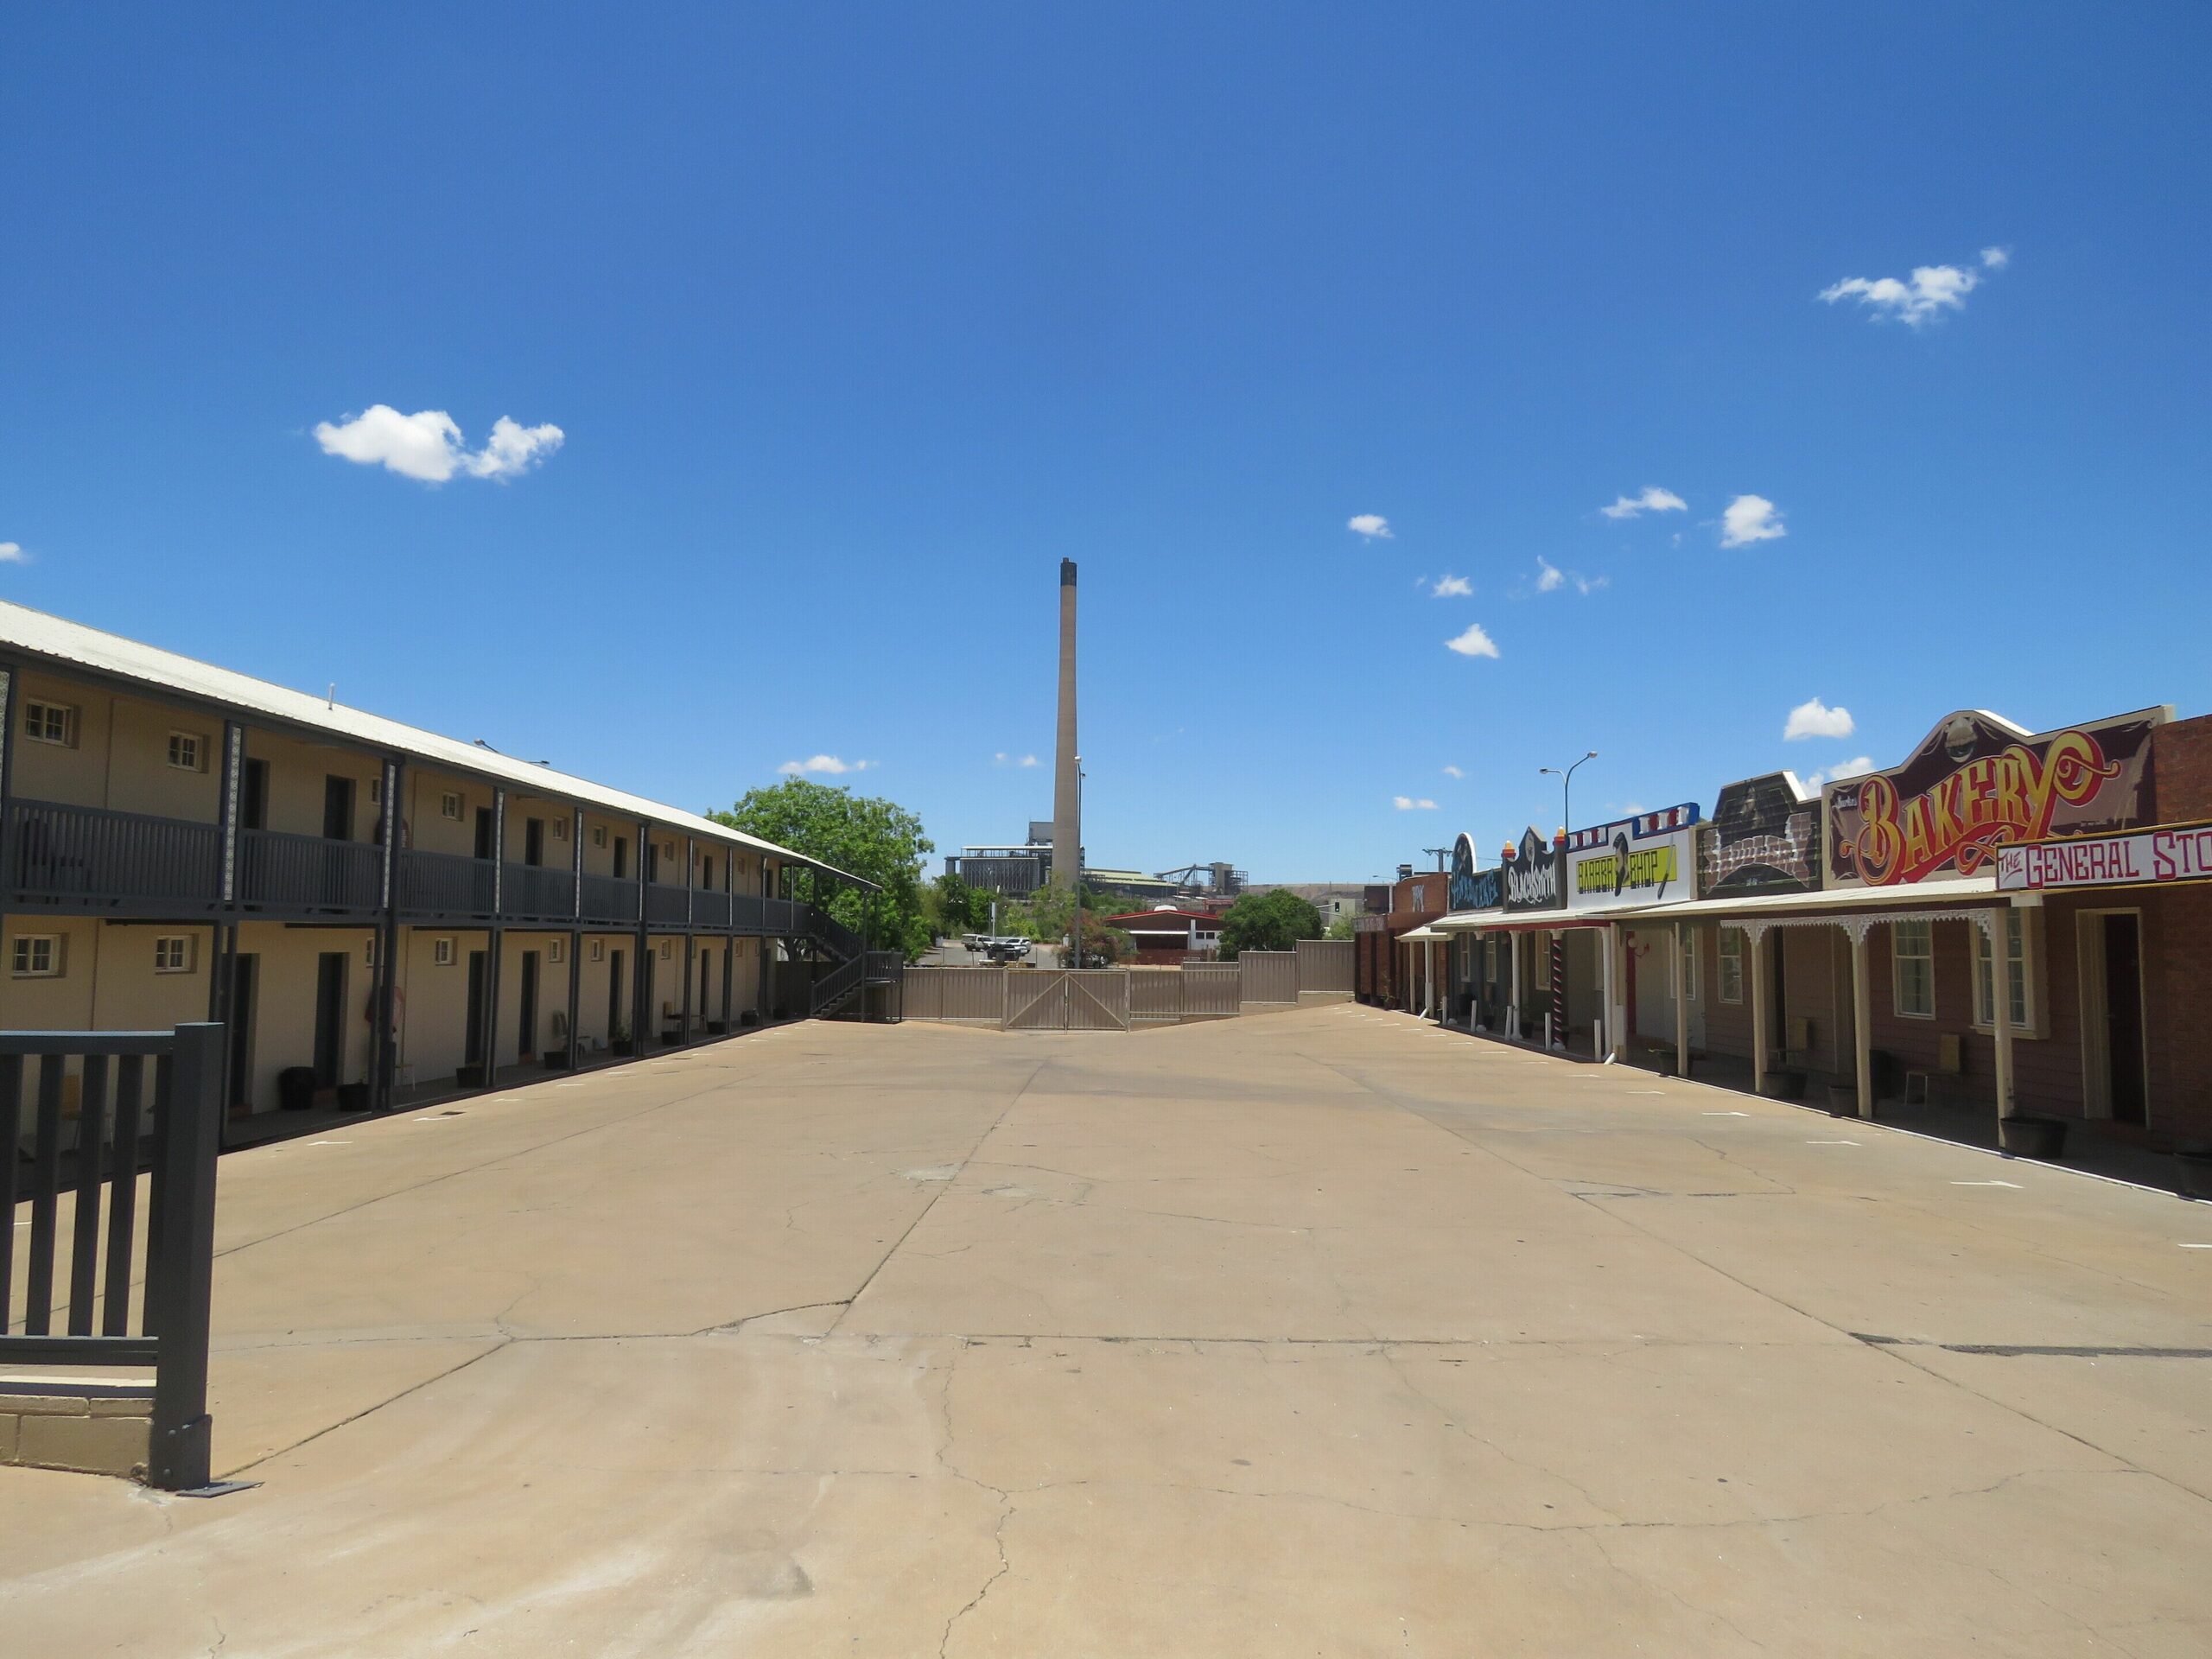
[(854, 321)]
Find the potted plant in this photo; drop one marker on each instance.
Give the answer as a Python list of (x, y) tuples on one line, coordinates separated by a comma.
[(618, 1042), (2025, 1135), (556, 1059), (747, 1019), (1843, 1097), (2193, 1171)]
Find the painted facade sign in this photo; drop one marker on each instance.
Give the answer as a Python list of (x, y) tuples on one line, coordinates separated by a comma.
[(2174, 852), (1765, 838), (1472, 889), (1534, 874), (1646, 860), (1977, 783)]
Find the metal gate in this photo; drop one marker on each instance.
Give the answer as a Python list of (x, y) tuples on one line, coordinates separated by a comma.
[(1068, 999)]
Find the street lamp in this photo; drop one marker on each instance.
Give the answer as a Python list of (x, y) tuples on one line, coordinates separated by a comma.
[(1566, 779)]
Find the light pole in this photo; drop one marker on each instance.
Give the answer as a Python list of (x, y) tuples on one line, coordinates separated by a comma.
[(1566, 779)]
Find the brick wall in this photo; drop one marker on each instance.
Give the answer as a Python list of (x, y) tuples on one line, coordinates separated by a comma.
[(2181, 770), (100, 1429)]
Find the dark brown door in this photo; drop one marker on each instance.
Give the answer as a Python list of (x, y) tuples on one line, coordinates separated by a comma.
[(533, 841), (337, 808), (483, 848), (2124, 1016), (526, 1026)]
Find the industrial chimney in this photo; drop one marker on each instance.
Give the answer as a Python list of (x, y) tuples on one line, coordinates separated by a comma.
[(1067, 793)]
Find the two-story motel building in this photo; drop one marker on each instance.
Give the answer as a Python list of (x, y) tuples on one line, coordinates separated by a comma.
[(392, 911)]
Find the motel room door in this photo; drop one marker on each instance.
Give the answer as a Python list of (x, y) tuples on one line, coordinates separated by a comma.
[(526, 1026)]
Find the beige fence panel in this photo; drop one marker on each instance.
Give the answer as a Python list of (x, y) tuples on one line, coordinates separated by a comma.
[(1156, 996), (1269, 975), (1212, 992), (971, 996), (1326, 965), (1037, 999), (1097, 1000)]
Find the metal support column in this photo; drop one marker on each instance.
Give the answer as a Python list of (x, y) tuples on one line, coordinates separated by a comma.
[(1755, 938), (640, 997), (383, 1042), (1513, 988), (1994, 924), (1862, 1028), (577, 943), (498, 939), (1682, 990)]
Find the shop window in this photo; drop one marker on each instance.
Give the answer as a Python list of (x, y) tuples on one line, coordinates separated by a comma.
[(2023, 944), (442, 953), (187, 752), (173, 953), (1688, 965), (1731, 964), (36, 956), (50, 722), (1912, 955), (450, 805)]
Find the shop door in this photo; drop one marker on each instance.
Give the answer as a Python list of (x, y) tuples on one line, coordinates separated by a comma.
[(330, 1018), (2124, 1016)]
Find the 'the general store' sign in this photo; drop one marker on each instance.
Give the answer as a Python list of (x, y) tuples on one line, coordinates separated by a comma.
[(2180, 852)]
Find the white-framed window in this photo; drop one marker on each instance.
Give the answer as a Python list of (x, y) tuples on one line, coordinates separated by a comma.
[(560, 828), (442, 953), (187, 752), (36, 956), (173, 953), (557, 951), (376, 789), (369, 952), (598, 835), (1688, 965), (1731, 960), (1912, 957), (598, 949), (2024, 944), (50, 722), (667, 950), (449, 804)]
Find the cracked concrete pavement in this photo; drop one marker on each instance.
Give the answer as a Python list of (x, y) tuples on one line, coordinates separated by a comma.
[(1323, 1332)]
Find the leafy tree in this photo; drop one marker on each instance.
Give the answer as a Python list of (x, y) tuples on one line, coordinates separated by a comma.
[(1275, 920), (952, 906), (864, 836), (1345, 927)]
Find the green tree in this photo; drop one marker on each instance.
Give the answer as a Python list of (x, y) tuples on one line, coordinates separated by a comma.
[(875, 839), (952, 906), (1345, 927), (1275, 920)]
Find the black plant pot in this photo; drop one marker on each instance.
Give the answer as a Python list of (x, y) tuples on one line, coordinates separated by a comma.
[(621, 1047), (352, 1096), (295, 1088), (2032, 1137), (1843, 1099), (470, 1075), (2193, 1175), (556, 1059)]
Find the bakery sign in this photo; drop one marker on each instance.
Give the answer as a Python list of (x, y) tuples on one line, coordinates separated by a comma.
[(2149, 858), (1533, 875), (1470, 888), (1649, 859), (1978, 783)]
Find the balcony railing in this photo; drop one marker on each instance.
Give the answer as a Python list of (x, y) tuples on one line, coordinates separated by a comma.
[(534, 890), (709, 909), (666, 904), (308, 872), (779, 919), (445, 884), (611, 898), (91, 853)]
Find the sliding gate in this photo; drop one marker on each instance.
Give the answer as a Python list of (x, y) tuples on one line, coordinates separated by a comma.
[(1068, 999)]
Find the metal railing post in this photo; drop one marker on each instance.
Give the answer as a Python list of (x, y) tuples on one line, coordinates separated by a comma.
[(183, 1256)]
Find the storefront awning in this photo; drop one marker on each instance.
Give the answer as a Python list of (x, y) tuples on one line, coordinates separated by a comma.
[(1950, 891), (1425, 934)]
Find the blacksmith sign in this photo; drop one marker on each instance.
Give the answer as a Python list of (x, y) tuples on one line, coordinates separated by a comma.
[(1765, 838), (1645, 860), (1534, 874), (1472, 889), (1977, 783)]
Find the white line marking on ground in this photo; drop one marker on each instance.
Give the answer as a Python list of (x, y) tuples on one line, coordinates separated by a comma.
[(2183, 1243), (1724, 1113), (1647, 1092), (1831, 1143), (330, 1143), (2015, 1185)]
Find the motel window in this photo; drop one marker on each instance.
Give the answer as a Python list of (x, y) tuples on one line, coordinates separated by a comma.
[(173, 953), (557, 951), (598, 949), (442, 953), (1912, 953), (50, 722), (667, 951), (186, 753), (1731, 964), (598, 835), (450, 805), (1688, 964), (2024, 945), (560, 828), (36, 956)]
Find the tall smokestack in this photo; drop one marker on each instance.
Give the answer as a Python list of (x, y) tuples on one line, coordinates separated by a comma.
[(1067, 796)]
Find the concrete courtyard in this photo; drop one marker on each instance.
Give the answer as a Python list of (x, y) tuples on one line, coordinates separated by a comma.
[(1315, 1334)]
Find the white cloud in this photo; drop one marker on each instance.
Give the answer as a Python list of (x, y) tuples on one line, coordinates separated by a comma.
[(1840, 771), (1814, 718), (1587, 585), (1927, 294), (1373, 525), (1473, 643), (823, 763), (1453, 772), (1550, 578), (1751, 518), (1652, 498), (427, 444), (1408, 804), (12, 553), (1452, 587), (1002, 759), (1026, 760)]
